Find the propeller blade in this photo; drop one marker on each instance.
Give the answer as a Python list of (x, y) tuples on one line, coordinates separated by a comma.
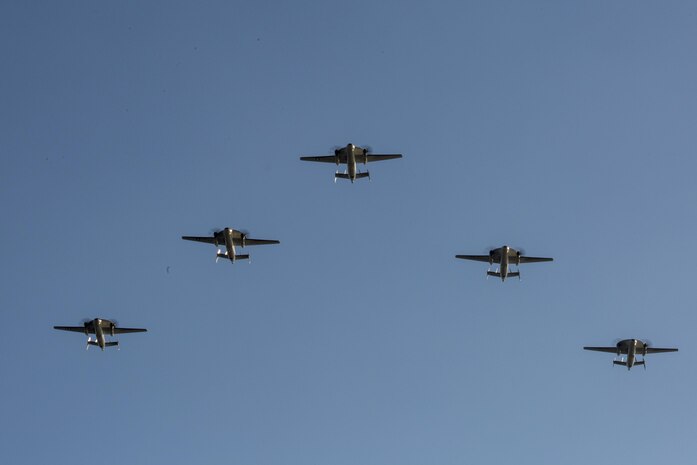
[(520, 250)]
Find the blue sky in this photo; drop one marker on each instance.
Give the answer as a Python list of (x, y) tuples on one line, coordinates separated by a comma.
[(565, 128)]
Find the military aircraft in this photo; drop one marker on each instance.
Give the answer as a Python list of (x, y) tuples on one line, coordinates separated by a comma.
[(505, 256), (230, 238), (100, 327), (351, 155), (631, 348)]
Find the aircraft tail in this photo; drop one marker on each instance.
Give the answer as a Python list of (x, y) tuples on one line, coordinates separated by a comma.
[(620, 362), (236, 257), (92, 343), (511, 274), (346, 176), (111, 344)]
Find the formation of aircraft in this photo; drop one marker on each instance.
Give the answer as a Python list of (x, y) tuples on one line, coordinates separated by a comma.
[(100, 328), (631, 348), (504, 256), (230, 238), (350, 156)]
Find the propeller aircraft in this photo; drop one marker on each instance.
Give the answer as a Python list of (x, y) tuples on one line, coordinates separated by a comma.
[(351, 155), (230, 238), (100, 328), (631, 348), (504, 256)]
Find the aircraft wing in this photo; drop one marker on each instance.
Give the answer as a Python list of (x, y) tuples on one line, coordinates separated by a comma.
[(207, 240), (383, 157), (656, 350), (326, 159), (524, 259), (76, 329), (129, 330), (477, 258), (260, 241), (611, 350)]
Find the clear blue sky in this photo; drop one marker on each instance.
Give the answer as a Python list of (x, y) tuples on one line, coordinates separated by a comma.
[(564, 127)]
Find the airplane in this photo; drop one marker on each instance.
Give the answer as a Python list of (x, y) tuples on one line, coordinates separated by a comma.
[(631, 348), (100, 327), (230, 238), (351, 155), (505, 256)]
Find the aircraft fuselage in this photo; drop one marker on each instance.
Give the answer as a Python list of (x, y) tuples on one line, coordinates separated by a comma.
[(229, 244), (99, 333), (504, 262), (351, 161), (631, 354), (632, 347)]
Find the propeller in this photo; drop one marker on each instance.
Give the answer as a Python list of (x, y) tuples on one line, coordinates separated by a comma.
[(520, 250), (244, 234), (367, 148)]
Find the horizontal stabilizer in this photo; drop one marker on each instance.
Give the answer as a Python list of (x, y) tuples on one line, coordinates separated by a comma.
[(341, 176), (241, 257), (493, 273), (92, 343), (111, 344), (619, 362), (639, 363), (363, 175), (222, 255), (513, 274)]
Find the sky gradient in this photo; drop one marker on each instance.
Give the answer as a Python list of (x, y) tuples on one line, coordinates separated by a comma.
[(566, 128)]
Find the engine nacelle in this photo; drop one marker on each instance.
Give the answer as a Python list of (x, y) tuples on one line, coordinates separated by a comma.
[(517, 258), (112, 327), (243, 239), (491, 258), (87, 331)]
